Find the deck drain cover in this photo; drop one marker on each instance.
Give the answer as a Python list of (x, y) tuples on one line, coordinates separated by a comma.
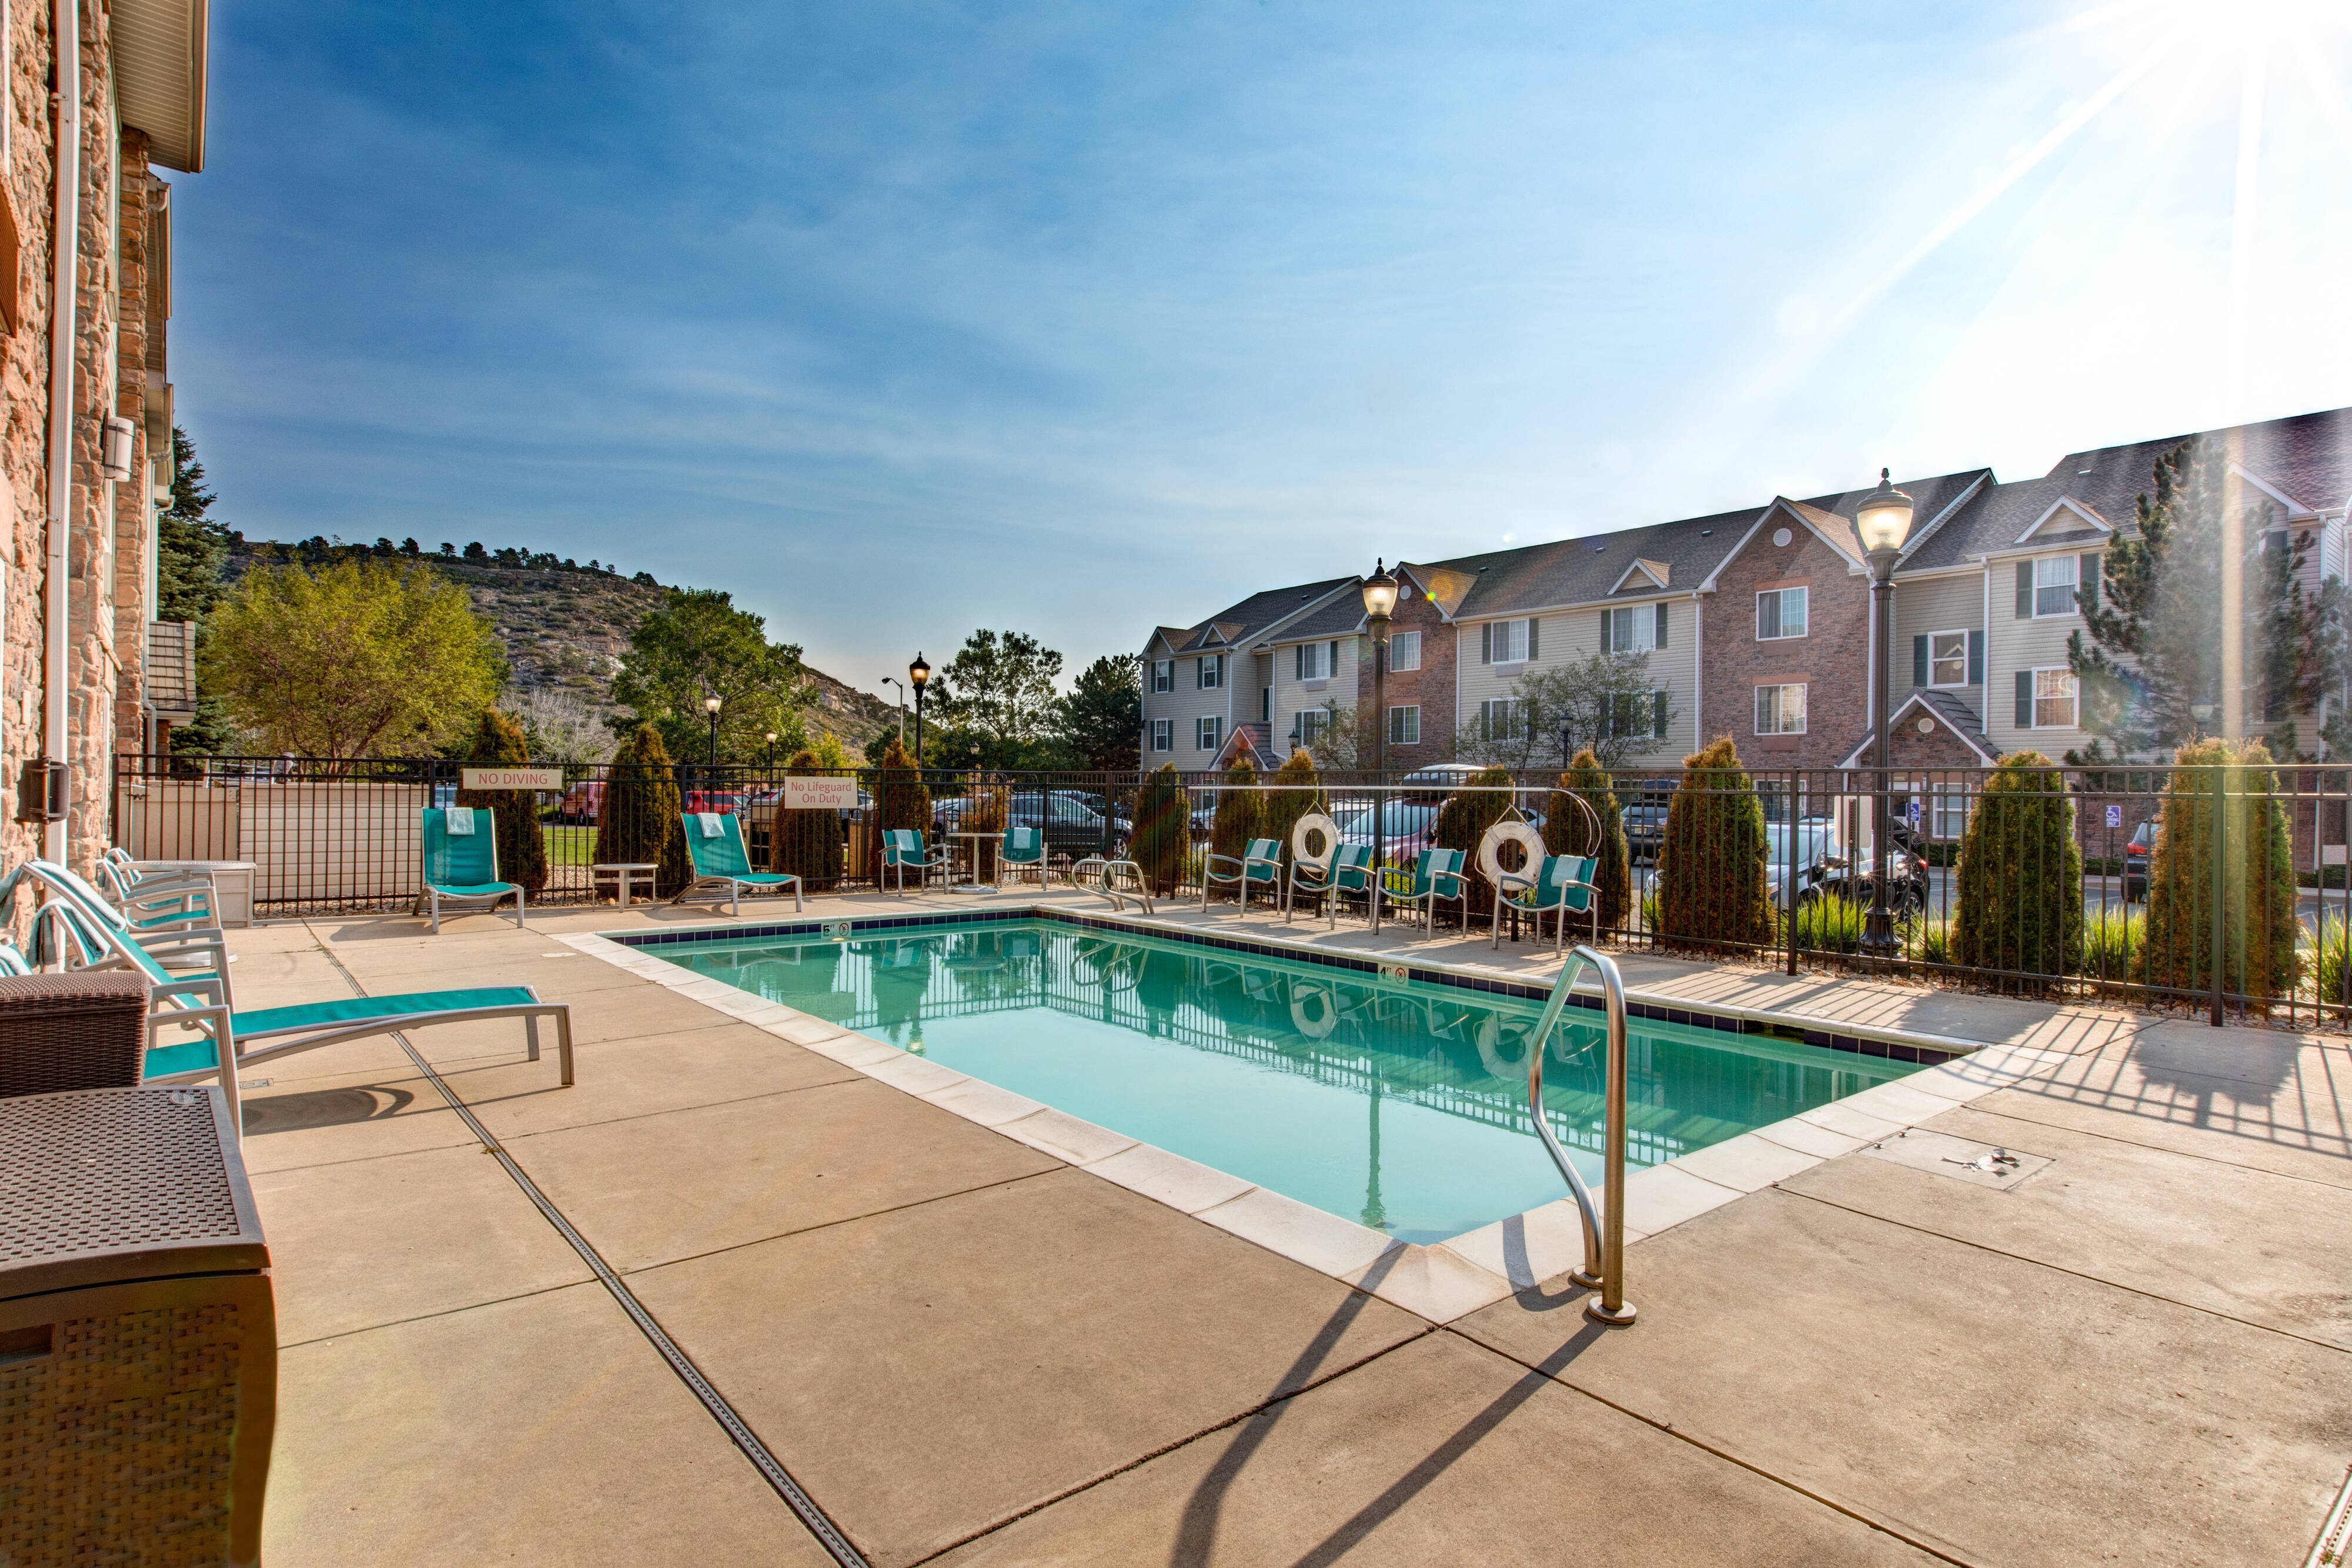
[(1939, 1154)]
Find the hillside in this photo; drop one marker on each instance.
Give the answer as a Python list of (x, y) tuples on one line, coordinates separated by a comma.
[(565, 628)]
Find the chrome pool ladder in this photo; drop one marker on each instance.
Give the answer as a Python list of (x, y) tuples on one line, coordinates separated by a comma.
[(1096, 873), (1604, 1230)]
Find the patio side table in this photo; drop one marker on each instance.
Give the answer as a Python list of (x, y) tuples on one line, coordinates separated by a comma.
[(623, 869), (138, 1333)]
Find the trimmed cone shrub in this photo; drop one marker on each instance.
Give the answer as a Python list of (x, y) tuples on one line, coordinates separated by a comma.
[(638, 821), (1714, 854), (1566, 832), (1241, 812), (901, 800), (1461, 824), (1283, 807), (522, 845), (2258, 889), (2021, 878), (1163, 830), (806, 843)]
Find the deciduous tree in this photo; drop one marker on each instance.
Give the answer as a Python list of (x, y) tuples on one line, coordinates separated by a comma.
[(1607, 702), (697, 645)]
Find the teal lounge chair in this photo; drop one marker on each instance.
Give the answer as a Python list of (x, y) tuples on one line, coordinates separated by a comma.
[(1435, 877), (1024, 849), (903, 847), (1259, 865), (78, 925), (156, 899), (204, 1028), (462, 868), (714, 842), (1562, 885)]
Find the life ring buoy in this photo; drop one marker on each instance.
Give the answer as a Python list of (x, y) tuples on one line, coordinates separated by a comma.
[(1489, 1037), (1314, 822), (1530, 844), (1320, 1026)]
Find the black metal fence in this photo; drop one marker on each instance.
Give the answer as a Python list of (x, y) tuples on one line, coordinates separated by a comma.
[(2222, 890)]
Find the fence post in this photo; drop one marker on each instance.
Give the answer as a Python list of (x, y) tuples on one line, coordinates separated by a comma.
[(2220, 890)]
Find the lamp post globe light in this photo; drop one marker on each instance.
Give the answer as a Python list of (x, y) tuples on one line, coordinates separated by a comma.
[(772, 751), (1884, 521), (919, 672), (1379, 603), (710, 706)]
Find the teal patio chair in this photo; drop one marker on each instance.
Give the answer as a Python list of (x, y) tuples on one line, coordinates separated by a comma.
[(1259, 865), (206, 1031), (1435, 878), (156, 898), (1351, 872), (903, 847), (1022, 850), (78, 925), (1561, 886), (714, 842), (461, 868)]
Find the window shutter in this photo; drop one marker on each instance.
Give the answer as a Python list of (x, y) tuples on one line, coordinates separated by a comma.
[(1975, 658), (1662, 625), (2025, 699), (2025, 590), (1487, 642), (1919, 661), (1532, 624), (1658, 713), (2087, 578), (1333, 669)]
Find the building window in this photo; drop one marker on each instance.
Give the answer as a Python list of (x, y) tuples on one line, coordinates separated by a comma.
[(1950, 807), (1213, 671), (1404, 650), (1163, 735), (1317, 660), (1404, 726), (1507, 641), (1205, 737), (1163, 674), (1948, 659), (1639, 716), (1266, 705), (2053, 699), (1312, 723), (1502, 720), (1635, 628), (1780, 710), (2055, 578), (1783, 612)]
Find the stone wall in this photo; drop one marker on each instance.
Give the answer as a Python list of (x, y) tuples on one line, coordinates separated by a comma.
[(134, 511)]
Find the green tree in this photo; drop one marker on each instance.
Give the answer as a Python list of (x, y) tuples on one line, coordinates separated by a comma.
[(2257, 886), (358, 658), (1567, 832), (1461, 824), (1608, 702), (901, 800), (522, 845), (1163, 830), (697, 645), (1296, 791), (2152, 638), (807, 843), (638, 821), (192, 550), (1241, 809), (2021, 875), (1713, 860), (999, 692), (1101, 719)]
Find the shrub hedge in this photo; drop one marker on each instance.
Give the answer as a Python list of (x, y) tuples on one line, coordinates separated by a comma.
[(522, 845), (1566, 832), (1713, 857), (638, 818), (806, 843), (2020, 877), (1163, 830), (1461, 824), (2258, 887)]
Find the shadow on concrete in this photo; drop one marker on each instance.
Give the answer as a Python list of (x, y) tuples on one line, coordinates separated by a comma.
[(322, 1108)]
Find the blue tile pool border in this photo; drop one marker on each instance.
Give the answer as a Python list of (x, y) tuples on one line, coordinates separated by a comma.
[(1917, 1051)]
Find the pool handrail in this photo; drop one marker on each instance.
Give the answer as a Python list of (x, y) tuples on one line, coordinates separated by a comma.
[(1100, 870), (1604, 1232)]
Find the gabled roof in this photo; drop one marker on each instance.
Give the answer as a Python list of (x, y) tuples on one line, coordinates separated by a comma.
[(1442, 586), (1340, 615), (1943, 705), (1251, 619), (1652, 575), (2066, 518), (1590, 570)]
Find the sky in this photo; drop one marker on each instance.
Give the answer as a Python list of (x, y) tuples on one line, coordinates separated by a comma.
[(902, 320)]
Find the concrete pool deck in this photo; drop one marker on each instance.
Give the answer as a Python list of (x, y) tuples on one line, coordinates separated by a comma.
[(969, 1350)]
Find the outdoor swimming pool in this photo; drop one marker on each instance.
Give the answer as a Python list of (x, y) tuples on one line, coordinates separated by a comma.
[(1401, 1104)]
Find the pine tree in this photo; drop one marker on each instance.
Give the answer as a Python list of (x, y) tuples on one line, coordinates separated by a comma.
[(522, 844), (2152, 637), (1567, 832), (806, 843), (1298, 792), (637, 821), (191, 553), (901, 800), (1241, 809), (2258, 885), (1713, 861), (2021, 875)]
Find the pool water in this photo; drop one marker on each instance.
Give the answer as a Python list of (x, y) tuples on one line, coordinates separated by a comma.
[(1398, 1104)]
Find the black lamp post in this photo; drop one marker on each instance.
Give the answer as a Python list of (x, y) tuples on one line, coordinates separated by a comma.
[(1884, 521), (1379, 603), (772, 751), (710, 706), (920, 674)]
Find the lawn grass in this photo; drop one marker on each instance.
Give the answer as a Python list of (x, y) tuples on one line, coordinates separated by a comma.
[(570, 846)]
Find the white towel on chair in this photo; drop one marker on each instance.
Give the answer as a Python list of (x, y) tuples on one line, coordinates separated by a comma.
[(708, 823), (460, 820)]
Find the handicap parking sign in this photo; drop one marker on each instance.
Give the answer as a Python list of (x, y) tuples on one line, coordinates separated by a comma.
[(1911, 813), (2115, 816)]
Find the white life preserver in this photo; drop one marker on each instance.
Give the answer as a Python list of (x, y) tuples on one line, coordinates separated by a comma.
[(1531, 843), (1325, 1020), (1315, 822), (1490, 1042)]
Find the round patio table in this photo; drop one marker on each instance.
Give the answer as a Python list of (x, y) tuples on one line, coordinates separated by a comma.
[(971, 862)]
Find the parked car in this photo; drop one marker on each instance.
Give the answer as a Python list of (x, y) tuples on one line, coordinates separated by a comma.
[(1645, 830), (1074, 826), (1405, 827), (719, 801), (583, 803), (2136, 857)]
